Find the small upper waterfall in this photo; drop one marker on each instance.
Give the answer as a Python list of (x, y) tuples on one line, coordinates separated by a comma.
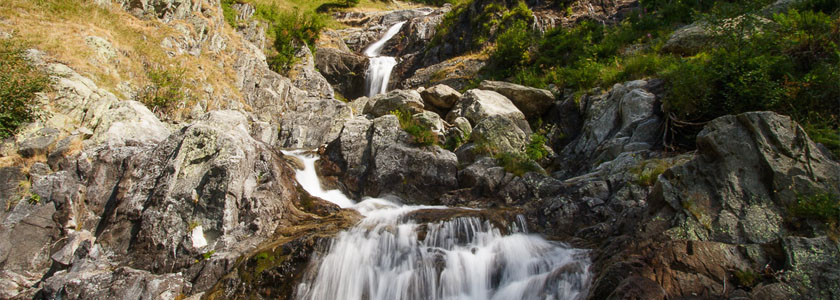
[(379, 70), (389, 256)]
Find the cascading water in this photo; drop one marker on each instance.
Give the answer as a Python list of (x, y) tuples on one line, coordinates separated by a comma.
[(389, 256), (379, 70)]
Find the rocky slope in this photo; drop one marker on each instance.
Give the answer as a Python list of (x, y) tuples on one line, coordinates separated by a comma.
[(103, 199)]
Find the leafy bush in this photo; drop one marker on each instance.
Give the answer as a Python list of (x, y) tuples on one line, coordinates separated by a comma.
[(292, 30), (19, 82), (790, 66), (535, 150), (166, 90), (470, 25), (512, 46)]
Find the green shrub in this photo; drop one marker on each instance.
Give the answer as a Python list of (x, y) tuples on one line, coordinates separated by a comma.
[(517, 164), (512, 46), (166, 90), (420, 134), (535, 150), (19, 83), (470, 25), (292, 30), (824, 207)]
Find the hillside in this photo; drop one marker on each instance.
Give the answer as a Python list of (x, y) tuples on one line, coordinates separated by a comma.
[(433, 149)]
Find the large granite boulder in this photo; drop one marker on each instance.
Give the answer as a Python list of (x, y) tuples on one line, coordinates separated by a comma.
[(533, 102), (754, 166), (727, 222), (477, 105), (440, 96), (497, 134)]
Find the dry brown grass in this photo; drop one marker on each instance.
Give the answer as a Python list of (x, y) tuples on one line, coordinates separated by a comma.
[(59, 27)]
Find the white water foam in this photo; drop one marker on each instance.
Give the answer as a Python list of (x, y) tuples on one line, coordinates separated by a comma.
[(380, 67), (388, 256), (308, 179)]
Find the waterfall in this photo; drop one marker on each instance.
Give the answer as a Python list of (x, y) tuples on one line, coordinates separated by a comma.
[(380, 67), (388, 256)]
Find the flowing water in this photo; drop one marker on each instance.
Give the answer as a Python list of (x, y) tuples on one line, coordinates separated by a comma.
[(388, 256), (379, 70)]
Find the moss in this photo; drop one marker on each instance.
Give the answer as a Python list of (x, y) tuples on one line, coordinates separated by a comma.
[(648, 171), (747, 278)]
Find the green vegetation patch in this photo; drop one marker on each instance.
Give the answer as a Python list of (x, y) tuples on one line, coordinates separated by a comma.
[(292, 30), (787, 62), (517, 163), (421, 135), (167, 89), (19, 84)]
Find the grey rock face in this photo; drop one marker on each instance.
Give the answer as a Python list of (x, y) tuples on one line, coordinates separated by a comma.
[(123, 283), (753, 166), (476, 105), (207, 191), (344, 70), (305, 77), (129, 123), (39, 143), (377, 158), (532, 102), (313, 123), (622, 120)]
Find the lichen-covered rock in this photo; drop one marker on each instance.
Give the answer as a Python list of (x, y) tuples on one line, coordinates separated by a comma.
[(499, 134), (402, 100), (753, 166), (533, 102), (724, 223)]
